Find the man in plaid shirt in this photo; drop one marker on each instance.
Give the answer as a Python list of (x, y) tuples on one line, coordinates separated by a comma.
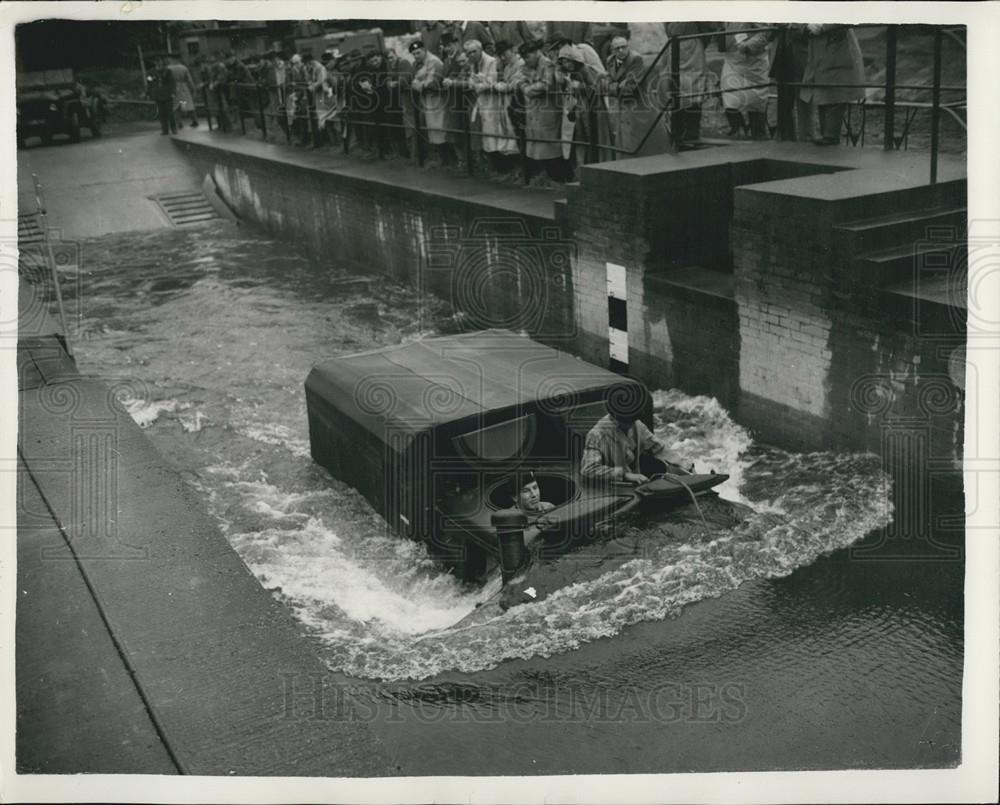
[(620, 447)]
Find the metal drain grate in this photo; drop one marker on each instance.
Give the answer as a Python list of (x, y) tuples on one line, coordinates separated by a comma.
[(185, 208), (29, 229)]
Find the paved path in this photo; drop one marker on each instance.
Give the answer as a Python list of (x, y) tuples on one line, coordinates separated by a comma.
[(533, 201), (144, 644), (99, 186)]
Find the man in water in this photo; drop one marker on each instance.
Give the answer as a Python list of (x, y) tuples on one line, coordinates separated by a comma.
[(620, 447), (529, 498)]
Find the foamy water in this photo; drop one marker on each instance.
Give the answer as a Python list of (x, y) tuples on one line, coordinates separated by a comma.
[(224, 347), (372, 599)]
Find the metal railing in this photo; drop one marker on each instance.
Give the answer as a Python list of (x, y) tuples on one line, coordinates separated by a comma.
[(241, 100)]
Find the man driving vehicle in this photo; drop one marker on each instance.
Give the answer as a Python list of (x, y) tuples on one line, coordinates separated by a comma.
[(620, 447), (529, 498)]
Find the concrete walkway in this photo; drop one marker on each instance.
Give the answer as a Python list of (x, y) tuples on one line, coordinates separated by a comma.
[(143, 642), (534, 201), (99, 186)]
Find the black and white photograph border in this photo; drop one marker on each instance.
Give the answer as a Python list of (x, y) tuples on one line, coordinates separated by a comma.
[(395, 415)]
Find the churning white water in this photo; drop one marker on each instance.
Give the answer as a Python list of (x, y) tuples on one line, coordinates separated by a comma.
[(219, 349)]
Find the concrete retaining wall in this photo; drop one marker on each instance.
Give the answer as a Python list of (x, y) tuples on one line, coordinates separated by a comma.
[(737, 281)]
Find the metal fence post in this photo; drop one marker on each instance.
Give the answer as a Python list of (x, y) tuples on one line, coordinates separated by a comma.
[(238, 88), (311, 112), (208, 108), (592, 149), (936, 104), (675, 95), (378, 126), (418, 109), (786, 97), (466, 129), (260, 107), (286, 100), (889, 135)]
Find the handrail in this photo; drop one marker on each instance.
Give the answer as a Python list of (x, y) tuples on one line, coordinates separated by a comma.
[(646, 96), (50, 258)]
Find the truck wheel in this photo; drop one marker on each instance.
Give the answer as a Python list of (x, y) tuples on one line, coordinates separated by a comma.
[(74, 127), (47, 137), (95, 127)]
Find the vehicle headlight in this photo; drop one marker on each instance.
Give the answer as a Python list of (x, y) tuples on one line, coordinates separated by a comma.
[(53, 107)]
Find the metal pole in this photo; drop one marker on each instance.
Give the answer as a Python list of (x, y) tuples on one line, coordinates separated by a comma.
[(51, 260), (142, 66), (378, 123), (466, 129), (592, 152), (936, 104), (786, 96), (208, 107), (889, 135), (675, 95), (418, 127), (313, 121), (260, 108), (238, 89)]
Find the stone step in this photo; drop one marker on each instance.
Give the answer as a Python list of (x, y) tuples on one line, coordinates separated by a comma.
[(950, 194), (914, 262), (185, 207), (905, 228)]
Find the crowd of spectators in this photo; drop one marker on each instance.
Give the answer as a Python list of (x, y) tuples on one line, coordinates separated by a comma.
[(541, 96)]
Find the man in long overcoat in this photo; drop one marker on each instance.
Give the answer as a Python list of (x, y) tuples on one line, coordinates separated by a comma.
[(542, 110), (694, 81), (745, 74), (427, 95), (625, 70), (833, 58), (581, 85)]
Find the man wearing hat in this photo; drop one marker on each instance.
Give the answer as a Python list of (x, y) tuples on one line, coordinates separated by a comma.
[(315, 75), (558, 40), (529, 497), (273, 78), (542, 110), (454, 72), (399, 75), (694, 75), (620, 447), (161, 88), (429, 33), (625, 71), (580, 85), (427, 96)]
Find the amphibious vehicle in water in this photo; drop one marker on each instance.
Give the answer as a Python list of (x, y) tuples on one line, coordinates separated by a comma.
[(438, 435)]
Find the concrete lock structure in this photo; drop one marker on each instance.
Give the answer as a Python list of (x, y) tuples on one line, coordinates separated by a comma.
[(819, 296)]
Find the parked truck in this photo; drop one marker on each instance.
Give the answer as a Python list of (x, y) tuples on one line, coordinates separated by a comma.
[(51, 102)]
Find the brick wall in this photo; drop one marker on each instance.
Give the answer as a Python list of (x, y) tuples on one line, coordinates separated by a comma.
[(806, 350), (828, 358)]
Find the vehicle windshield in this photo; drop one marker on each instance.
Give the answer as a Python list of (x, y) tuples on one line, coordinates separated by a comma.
[(498, 443)]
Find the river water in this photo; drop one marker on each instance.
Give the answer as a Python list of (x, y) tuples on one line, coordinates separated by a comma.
[(789, 640)]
